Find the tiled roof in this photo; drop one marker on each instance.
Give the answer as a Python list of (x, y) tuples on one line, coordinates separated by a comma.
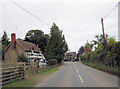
[(72, 53), (27, 46)]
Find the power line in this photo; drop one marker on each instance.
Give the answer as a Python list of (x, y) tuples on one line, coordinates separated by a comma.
[(7, 16), (29, 12), (111, 10)]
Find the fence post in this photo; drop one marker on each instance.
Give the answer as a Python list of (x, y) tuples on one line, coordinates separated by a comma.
[(29, 70), (23, 70)]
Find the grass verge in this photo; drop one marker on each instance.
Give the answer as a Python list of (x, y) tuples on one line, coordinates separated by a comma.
[(109, 69), (31, 81)]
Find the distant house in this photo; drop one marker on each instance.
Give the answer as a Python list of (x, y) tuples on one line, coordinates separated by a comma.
[(17, 47), (85, 52), (69, 56)]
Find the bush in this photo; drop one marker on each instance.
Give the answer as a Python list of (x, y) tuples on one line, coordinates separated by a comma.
[(52, 61), (22, 58)]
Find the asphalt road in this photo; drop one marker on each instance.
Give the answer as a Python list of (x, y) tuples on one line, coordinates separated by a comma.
[(76, 74)]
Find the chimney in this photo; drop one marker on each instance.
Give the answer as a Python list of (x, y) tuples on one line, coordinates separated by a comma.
[(85, 49), (13, 37)]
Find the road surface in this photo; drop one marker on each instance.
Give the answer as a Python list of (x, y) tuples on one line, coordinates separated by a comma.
[(76, 74)]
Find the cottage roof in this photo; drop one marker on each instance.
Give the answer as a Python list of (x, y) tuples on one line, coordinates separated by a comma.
[(71, 53), (27, 46)]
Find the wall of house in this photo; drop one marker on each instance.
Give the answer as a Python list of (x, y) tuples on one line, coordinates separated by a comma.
[(11, 56), (12, 53)]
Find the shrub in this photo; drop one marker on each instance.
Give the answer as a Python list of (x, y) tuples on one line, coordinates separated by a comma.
[(52, 61), (22, 58)]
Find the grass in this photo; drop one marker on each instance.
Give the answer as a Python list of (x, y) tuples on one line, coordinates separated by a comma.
[(31, 81), (109, 69)]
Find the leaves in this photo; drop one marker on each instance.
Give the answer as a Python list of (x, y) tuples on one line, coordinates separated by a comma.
[(57, 45), (108, 55), (22, 58), (37, 37)]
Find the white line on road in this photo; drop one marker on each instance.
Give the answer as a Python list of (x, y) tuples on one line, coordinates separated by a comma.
[(79, 75), (81, 78)]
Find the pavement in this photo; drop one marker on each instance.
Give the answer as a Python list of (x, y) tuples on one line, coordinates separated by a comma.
[(76, 74)]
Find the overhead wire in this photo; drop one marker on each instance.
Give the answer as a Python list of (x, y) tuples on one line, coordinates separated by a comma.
[(112, 10), (29, 13), (7, 16)]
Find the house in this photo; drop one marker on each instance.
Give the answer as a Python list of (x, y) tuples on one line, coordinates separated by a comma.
[(69, 56), (17, 47), (85, 52)]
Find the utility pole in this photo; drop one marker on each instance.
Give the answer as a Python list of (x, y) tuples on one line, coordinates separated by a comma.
[(103, 32), (118, 21)]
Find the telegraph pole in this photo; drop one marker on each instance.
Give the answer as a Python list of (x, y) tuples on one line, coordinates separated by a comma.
[(103, 32), (119, 21)]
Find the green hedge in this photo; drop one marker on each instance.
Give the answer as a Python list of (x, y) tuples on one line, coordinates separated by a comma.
[(52, 61), (110, 69)]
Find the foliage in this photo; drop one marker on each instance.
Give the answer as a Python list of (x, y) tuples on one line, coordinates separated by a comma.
[(4, 42), (37, 37), (81, 50), (108, 56), (52, 61), (22, 58), (99, 39), (4, 39), (88, 46), (56, 46)]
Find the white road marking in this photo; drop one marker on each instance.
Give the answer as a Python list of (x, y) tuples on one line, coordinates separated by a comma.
[(79, 75), (81, 78)]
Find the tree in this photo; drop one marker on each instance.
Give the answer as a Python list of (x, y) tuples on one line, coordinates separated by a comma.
[(37, 37), (81, 50), (4, 39), (88, 46), (4, 42), (99, 38), (57, 45)]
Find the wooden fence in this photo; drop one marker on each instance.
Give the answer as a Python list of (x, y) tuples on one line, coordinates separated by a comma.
[(11, 74)]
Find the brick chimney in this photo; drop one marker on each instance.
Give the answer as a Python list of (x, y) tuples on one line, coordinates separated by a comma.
[(13, 37), (85, 49)]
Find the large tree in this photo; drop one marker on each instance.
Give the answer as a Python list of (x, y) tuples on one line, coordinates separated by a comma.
[(57, 45), (81, 50), (4, 42), (5, 39), (88, 46), (99, 39), (37, 37)]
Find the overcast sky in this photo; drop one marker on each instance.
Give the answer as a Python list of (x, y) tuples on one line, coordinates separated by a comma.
[(80, 20)]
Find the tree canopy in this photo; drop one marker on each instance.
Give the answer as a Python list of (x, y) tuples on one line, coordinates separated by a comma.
[(5, 39), (108, 55), (4, 42), (57, 45), (81, 50), (37, 37)]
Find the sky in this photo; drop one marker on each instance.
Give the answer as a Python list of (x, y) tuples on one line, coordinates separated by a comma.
[(80, 20)]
